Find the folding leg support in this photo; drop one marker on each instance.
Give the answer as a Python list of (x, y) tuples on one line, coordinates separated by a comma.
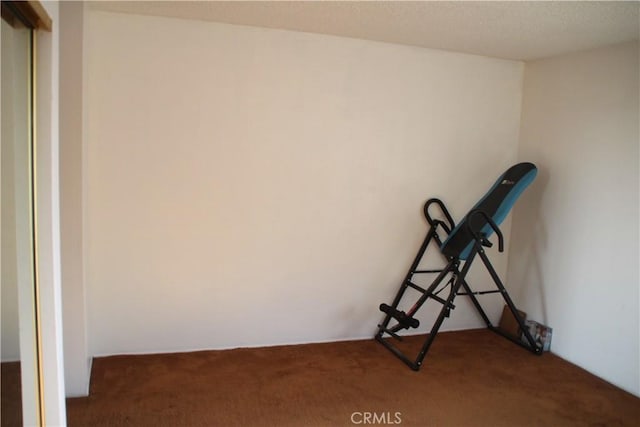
[(454, 279)]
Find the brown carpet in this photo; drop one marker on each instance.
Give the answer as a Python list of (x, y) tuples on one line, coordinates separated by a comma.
[(470, 378), (11, 401)]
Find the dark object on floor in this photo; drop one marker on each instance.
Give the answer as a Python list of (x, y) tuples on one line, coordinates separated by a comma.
[(509, 324), (464, 242)]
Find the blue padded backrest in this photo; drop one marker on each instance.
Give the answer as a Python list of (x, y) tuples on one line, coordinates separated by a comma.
[(497, 203)]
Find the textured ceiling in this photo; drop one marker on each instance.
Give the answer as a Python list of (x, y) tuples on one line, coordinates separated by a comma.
[(522, 30)]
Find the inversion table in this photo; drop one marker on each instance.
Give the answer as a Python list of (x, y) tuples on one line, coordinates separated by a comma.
[(463, 243)]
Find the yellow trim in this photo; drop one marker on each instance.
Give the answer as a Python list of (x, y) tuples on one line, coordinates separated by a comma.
[(34, 207)]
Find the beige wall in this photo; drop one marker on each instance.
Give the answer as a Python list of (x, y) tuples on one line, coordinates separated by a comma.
[(77, 359), (253, 187), (14, 195), (574, 252)]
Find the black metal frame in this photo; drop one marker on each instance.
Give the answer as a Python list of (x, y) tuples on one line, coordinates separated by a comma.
[(456, 283)]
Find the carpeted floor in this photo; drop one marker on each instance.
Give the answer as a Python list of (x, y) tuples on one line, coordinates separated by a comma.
[(470, 378), (11, 399)]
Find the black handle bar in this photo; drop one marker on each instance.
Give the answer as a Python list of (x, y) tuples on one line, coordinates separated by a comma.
[(490, 221), (444, 210)]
